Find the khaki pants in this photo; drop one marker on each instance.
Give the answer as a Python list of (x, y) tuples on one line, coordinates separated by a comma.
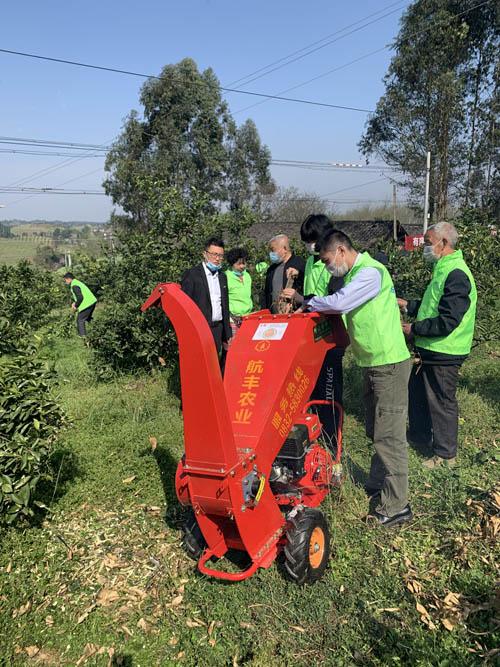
[(385, 397)]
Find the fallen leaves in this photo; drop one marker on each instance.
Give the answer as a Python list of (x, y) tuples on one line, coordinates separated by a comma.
[(176, 601), (40, 656), (129, 480), (23, 609), (153, 442), (112, 561), (105, 597), (92, 650)]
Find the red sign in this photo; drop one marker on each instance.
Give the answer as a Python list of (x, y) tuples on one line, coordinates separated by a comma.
[(414, 242)]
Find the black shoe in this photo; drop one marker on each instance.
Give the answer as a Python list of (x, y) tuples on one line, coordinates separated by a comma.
[(371, 491), (389, 521)]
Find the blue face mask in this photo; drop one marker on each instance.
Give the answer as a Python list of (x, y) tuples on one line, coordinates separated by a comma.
[(275, 258), (238, 273), (213, 267)]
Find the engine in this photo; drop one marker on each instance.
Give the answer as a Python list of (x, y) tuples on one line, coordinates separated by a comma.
[(289, 464)]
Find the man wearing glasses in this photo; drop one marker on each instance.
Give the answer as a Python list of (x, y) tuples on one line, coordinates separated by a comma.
[(206, 284)]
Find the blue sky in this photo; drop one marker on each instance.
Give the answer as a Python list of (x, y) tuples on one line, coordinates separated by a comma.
[(54, 101)]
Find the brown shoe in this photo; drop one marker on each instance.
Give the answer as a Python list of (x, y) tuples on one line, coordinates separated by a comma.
[(436, 461)]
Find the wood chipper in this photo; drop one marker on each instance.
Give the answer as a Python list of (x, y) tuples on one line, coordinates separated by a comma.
[(254, 467)]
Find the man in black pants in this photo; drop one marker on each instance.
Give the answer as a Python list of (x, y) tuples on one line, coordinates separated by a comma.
[(443, 332), (84, 302), (206, 284)]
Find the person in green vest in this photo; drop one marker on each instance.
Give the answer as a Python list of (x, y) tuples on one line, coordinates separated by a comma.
[(239, 286), (84, 302), (319, 282), (443, 332), (368, 302)]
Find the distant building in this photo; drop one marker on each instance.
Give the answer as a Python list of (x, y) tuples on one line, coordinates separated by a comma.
[(365, 234)]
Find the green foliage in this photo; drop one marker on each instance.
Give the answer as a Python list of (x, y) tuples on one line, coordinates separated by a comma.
[(481, 248), (122, 337), (187, 139), (441, 95), (29, 420), (48, 257), (27, 297), (5, 231)]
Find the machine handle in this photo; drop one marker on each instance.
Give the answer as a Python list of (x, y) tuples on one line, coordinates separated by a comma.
[(340, 425), (226, 576)]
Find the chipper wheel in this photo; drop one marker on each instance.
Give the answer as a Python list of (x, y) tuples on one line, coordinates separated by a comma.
[(192, 540), (308, 546)]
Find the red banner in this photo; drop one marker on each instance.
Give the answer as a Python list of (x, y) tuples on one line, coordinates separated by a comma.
[(414, 242)]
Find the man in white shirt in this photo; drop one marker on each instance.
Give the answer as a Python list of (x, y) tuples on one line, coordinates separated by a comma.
[(206, 284)]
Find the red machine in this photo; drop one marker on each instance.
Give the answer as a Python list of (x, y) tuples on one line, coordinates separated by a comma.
[(254, 469)]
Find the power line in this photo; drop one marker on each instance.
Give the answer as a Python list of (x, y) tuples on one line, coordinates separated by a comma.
[(352, 62), (51, 153), (276, 66), (51, 191), (279, 162), (360, 185), (50, 143), (331, 166), (153, 76)]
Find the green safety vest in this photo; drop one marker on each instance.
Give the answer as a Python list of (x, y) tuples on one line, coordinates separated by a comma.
[(316, 277), (88, 297), (240, 293), (459, 341), (375, 326)]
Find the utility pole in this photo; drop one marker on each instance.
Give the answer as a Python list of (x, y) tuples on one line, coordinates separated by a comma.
[(427, 184), (394, 220)]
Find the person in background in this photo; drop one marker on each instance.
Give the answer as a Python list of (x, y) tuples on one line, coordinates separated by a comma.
[(239, 285), (84, 302), (319, 282), (443, 331), (283, 263), (206, 284), (368, 301)]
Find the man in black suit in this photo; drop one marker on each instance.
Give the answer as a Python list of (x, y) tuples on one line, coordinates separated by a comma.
[(206, 284), (283, 262)]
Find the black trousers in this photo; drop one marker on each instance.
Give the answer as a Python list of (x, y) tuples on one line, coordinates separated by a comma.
[(217, 329), (433, 407), (83, 317), (329, 387)]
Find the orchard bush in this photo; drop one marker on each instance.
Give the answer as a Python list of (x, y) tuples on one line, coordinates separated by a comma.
[(27, 297), (30, 419), (123, 338)]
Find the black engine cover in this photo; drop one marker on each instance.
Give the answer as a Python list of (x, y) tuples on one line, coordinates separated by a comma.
[(293, 452)]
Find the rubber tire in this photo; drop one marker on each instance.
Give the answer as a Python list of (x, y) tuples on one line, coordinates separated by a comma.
[(193, 541), (299, 531)]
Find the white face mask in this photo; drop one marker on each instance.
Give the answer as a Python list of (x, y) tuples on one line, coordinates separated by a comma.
[(337, 270), (429, 254), (311, 248)]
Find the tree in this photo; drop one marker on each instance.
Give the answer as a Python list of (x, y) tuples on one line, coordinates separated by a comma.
[(187, 139), (122, 337), (437, 95), (292, 205)]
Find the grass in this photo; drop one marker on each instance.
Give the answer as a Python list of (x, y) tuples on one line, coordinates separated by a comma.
[(103, 580), (14, 250)]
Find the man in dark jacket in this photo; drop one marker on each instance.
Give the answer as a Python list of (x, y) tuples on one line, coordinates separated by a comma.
[(84, 302), (282, 261), (443, 332), (206, 284)]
